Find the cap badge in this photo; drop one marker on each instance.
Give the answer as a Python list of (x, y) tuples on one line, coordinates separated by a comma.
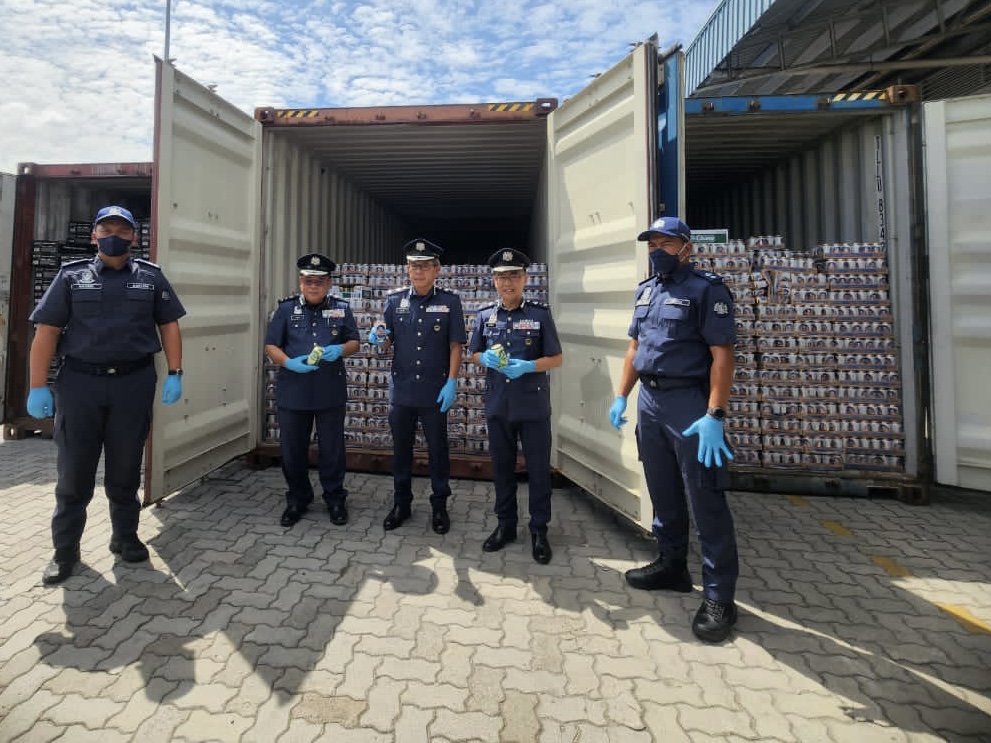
[(420, 247), (315, 260), (507, 255)]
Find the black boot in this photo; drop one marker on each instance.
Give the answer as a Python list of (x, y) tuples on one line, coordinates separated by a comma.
[(714, 620), (662, 574), (61, 565), (130, 548)]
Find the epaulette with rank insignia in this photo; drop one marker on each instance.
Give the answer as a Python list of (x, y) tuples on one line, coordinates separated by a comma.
[(708, 276), (397, 289), (335, 298), (290, 298), (147, 263), (442, 290), (77, 261), (539, 305), (649, 278), (488, 306)]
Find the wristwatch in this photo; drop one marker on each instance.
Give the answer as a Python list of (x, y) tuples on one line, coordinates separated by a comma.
[(718, 413), (175, 372)]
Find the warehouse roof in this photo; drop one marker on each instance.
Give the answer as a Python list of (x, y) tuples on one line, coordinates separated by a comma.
[(766, 47)]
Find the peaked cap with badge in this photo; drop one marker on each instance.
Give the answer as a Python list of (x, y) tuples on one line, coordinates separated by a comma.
[(508, 259), (422, 250), (671, 226), (315, 264), (119, 212)]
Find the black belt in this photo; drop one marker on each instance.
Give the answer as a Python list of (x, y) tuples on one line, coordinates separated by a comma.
[(108, 370), (670, 383)]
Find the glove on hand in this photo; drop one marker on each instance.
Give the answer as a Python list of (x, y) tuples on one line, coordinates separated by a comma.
[(490, 359), (616, 412), (40, 402), (374, 339), (332, 353), (516, 368), (447, 395), (172, 390), (711, 440), (299, 365)]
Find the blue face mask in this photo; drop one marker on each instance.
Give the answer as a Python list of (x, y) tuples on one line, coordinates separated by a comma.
[(114, 245), (663, 263)]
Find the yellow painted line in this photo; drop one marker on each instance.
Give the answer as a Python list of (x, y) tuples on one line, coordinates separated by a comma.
[(891, 567), (837, 528), (797, 500), (968, 620)]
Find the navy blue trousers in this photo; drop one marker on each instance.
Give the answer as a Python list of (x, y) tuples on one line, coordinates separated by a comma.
[(535, 439), (94, 415), (676, 481), (403, 420), (295, 427)]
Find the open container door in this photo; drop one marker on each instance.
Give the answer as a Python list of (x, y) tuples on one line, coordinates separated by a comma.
[(207, 192), (602, 163), (958, 191)]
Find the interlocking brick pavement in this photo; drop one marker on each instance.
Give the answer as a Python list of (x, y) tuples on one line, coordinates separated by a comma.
[(860, 621)]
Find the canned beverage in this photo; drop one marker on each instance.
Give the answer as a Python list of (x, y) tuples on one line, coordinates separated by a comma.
[(380, 332), (499, 351), (315, 355)]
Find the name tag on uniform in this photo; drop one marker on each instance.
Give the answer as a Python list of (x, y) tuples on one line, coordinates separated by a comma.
[(438, 308), (139, 285), (677, 302), (526, 325), (96, 285), (645, 297), (333, 313)]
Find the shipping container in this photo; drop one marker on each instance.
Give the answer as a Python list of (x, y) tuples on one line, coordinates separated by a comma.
[(235, 198)]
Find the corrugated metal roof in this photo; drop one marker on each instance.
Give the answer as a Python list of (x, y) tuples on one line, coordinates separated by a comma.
[(454, 171), (798, 46)]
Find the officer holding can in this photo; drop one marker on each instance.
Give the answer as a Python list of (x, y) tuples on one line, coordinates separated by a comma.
[(107, 316), (516, 340), (681, 351), (425, 324), (309, 335)]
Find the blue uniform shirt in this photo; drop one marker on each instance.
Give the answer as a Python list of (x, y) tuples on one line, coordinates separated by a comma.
[(527, 333), (423, 329), (295, 328), (108, 315), (676, 319)]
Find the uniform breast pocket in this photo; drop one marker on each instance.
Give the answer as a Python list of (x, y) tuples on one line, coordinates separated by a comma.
[(675, 318), (86, 303), (139, 301), (439, 322)]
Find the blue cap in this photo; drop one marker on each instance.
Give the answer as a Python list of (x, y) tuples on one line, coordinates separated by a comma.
[(115, 211), (508, 259), (671, 226), (422, 250), (315, 264)]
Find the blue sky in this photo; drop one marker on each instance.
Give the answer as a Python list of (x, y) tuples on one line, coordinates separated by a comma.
[(77, 79)]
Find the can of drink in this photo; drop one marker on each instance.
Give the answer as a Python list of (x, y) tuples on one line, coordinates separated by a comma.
[(499, 351), (315, 355), (380, 332)]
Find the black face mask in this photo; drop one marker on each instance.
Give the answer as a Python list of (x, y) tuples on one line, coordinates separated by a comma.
[(663, 263), (113, 245)]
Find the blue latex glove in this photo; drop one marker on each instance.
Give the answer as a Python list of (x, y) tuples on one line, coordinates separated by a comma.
[(172, 390), (490, 359), (332, 353), (447, 395), (40, 402), (711, 441), (374, 339), (299, 365), (516, 368), (616, 412)]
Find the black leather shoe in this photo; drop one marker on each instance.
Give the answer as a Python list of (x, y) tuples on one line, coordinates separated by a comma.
[(440, 521), (338, 513), (714, 621), (542, 551), (397, 517), (291, 515), (661, 574), (130, 549), (498, 539), (60, 567)]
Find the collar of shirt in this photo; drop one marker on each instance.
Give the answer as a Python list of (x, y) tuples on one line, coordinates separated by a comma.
[(521, 307), (99, 265), (679, 276), (413, 295)]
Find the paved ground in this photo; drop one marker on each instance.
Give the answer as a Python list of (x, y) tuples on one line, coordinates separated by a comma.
[(861, 621)]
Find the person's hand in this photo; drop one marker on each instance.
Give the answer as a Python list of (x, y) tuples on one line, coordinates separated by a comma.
[(299, 365), (332, 353), (490, 359), (172, 390), (711, 440), (40, 402), (447, 395), (616, 412), (516, 368), (375, 339)]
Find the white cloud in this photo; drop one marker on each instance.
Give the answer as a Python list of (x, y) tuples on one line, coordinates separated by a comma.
[(77, 80)]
